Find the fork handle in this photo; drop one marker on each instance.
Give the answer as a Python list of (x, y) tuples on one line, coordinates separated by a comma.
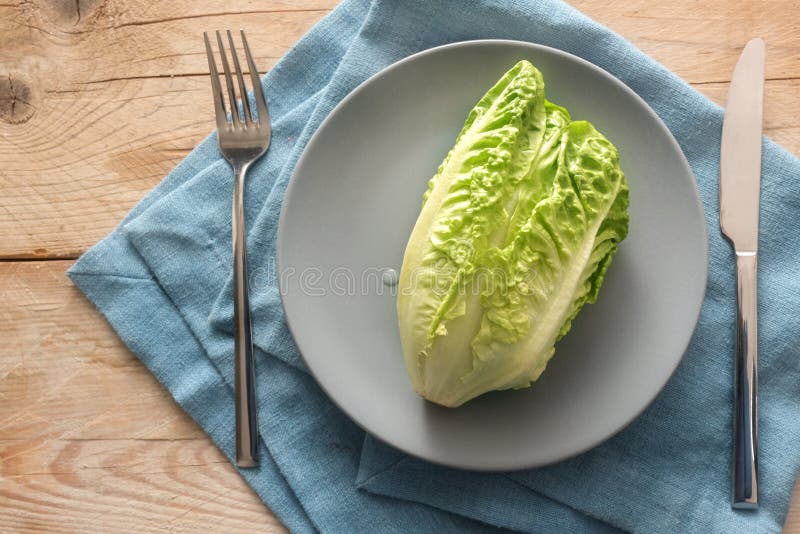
[(246, 422), (745, 445)]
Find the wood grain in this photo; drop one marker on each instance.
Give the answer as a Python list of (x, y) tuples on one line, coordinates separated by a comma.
[(131, 95), (119, 94), (89, 441), (99, 99)]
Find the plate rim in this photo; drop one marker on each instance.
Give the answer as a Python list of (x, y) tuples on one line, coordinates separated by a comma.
[(501, 466)]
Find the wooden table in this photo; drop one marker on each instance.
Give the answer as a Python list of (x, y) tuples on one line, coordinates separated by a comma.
[(99, 99)]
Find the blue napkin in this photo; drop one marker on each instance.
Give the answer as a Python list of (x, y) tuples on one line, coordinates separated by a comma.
[(162, 279)]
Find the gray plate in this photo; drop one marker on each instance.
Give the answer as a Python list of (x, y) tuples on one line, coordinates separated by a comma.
[(350, 208)]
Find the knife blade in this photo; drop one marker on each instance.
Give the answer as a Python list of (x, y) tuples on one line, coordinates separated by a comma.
[(739, 191), (740, 152)]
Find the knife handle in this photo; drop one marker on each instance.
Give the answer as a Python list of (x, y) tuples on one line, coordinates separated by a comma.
[(745, 444)]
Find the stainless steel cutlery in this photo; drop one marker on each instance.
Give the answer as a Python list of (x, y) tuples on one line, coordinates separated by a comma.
[(244, 137), (739, 190)]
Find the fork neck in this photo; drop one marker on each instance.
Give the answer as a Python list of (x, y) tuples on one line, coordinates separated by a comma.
[(239, 170)]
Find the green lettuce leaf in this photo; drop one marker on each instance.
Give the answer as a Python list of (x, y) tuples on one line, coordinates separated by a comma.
[(516, 232)]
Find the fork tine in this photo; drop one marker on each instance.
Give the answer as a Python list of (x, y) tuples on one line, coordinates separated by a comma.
[(261, 102), (242, 87), (228, 82), (219, 101)]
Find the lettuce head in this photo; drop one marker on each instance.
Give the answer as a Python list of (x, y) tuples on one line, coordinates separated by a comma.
[(516, 232)]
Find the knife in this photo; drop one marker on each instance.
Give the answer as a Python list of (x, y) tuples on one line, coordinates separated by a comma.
[(739, 189)]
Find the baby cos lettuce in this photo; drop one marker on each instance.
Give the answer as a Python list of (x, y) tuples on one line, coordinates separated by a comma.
[(516, 232)]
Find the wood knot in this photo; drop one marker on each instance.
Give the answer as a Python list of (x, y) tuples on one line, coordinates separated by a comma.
[(16, 99), (66, 14)]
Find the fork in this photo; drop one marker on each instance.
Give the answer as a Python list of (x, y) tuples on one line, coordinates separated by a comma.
[(242, 140)]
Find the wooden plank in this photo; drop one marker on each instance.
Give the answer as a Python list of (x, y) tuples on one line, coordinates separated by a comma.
[(129, 100), (131, 95), (701, 41), (792, 524), (80, 447), (89, 441), (123, 485)]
